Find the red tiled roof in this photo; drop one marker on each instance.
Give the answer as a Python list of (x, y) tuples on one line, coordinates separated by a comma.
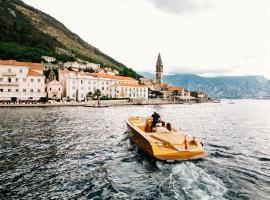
[(128, 85), (174, 88), (113, 77), (36, 66), (121, 78), (32, 72)]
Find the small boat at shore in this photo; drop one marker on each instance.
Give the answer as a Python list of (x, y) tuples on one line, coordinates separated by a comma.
[(171, 145)]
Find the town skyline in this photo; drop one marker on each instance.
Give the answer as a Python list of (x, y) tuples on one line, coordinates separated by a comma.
[(209, 38)]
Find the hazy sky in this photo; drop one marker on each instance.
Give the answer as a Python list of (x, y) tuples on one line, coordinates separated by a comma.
[(207, 37)]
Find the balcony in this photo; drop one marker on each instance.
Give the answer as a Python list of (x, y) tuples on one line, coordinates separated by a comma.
[(8, 74), (9, 84), (22, 95)]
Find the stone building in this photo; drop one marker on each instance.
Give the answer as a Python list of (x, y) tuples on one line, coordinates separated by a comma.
[(54, 90)]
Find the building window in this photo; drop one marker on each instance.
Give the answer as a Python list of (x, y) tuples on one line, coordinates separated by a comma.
[(17, 79), (38, 90), (39, 80), (20, 70), (31, 90), (1, 79), (50, 89), (9, 79), (73, 88), (24, 80), (17, 90), (73, 95), (9, 70), (81, 81), (24, 90), (59, 89), (1, 90), (32, 80)]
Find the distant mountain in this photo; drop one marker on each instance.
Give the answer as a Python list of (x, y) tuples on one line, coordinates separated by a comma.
[(27, 33), (221, 87)]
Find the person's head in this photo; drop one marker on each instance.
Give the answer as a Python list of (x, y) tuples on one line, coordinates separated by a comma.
[(169, 127), (163, 123)]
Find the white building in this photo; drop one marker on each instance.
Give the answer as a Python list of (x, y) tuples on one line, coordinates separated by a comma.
[(54, 89), (21, 81), (76, 66), (131, 91), (78, 84), (94, 66), (49, 59)]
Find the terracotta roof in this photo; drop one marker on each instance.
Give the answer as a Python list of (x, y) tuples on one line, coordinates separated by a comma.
[(113, 77), (32, 72), (128, 85), (66, 72), (174, 88), (36, 66), (122, 78)]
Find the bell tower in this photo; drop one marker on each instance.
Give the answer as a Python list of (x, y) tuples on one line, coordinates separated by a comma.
[(159, 70)]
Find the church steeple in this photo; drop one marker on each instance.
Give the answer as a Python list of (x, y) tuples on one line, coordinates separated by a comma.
[(159, 70), (159, 61)]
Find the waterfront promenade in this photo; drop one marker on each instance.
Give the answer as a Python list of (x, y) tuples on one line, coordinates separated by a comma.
[(103, 103)]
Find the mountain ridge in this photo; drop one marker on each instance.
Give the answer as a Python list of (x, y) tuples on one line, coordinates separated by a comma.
[(232, 87)]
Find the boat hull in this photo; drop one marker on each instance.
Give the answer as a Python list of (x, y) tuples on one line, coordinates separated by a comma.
[(163, 151), (140, 140)]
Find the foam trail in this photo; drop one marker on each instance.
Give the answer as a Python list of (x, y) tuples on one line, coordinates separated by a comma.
[(187, 181)]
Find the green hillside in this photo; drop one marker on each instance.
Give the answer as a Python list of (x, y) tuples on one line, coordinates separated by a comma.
[(26, 34)]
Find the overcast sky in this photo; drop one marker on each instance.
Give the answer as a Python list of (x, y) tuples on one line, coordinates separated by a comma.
[(207, 37)]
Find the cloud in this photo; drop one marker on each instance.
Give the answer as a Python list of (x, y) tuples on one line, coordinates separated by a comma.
[(182, 7)]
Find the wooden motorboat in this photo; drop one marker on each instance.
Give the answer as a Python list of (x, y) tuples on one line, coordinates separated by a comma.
[(169, 145)]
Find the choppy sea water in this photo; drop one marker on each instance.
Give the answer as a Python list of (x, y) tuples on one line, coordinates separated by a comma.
[(85, 153)]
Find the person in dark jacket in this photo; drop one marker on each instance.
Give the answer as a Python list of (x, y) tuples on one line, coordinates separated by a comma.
[(156, 119)]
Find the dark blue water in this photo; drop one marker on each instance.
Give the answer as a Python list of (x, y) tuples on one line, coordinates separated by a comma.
[(85, 153)]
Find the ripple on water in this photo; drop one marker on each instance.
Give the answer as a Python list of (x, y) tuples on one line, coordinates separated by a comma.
[(80, 153)]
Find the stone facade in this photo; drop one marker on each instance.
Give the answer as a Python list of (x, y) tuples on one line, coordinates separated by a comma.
[(54, 90)]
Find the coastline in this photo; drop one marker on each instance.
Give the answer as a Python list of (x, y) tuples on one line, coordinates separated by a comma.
[(103, 103)]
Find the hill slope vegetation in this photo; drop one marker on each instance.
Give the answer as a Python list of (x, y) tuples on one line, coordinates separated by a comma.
[(26, 34)]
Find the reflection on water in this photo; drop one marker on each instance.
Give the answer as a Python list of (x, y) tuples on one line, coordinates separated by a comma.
[(85, 153)]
